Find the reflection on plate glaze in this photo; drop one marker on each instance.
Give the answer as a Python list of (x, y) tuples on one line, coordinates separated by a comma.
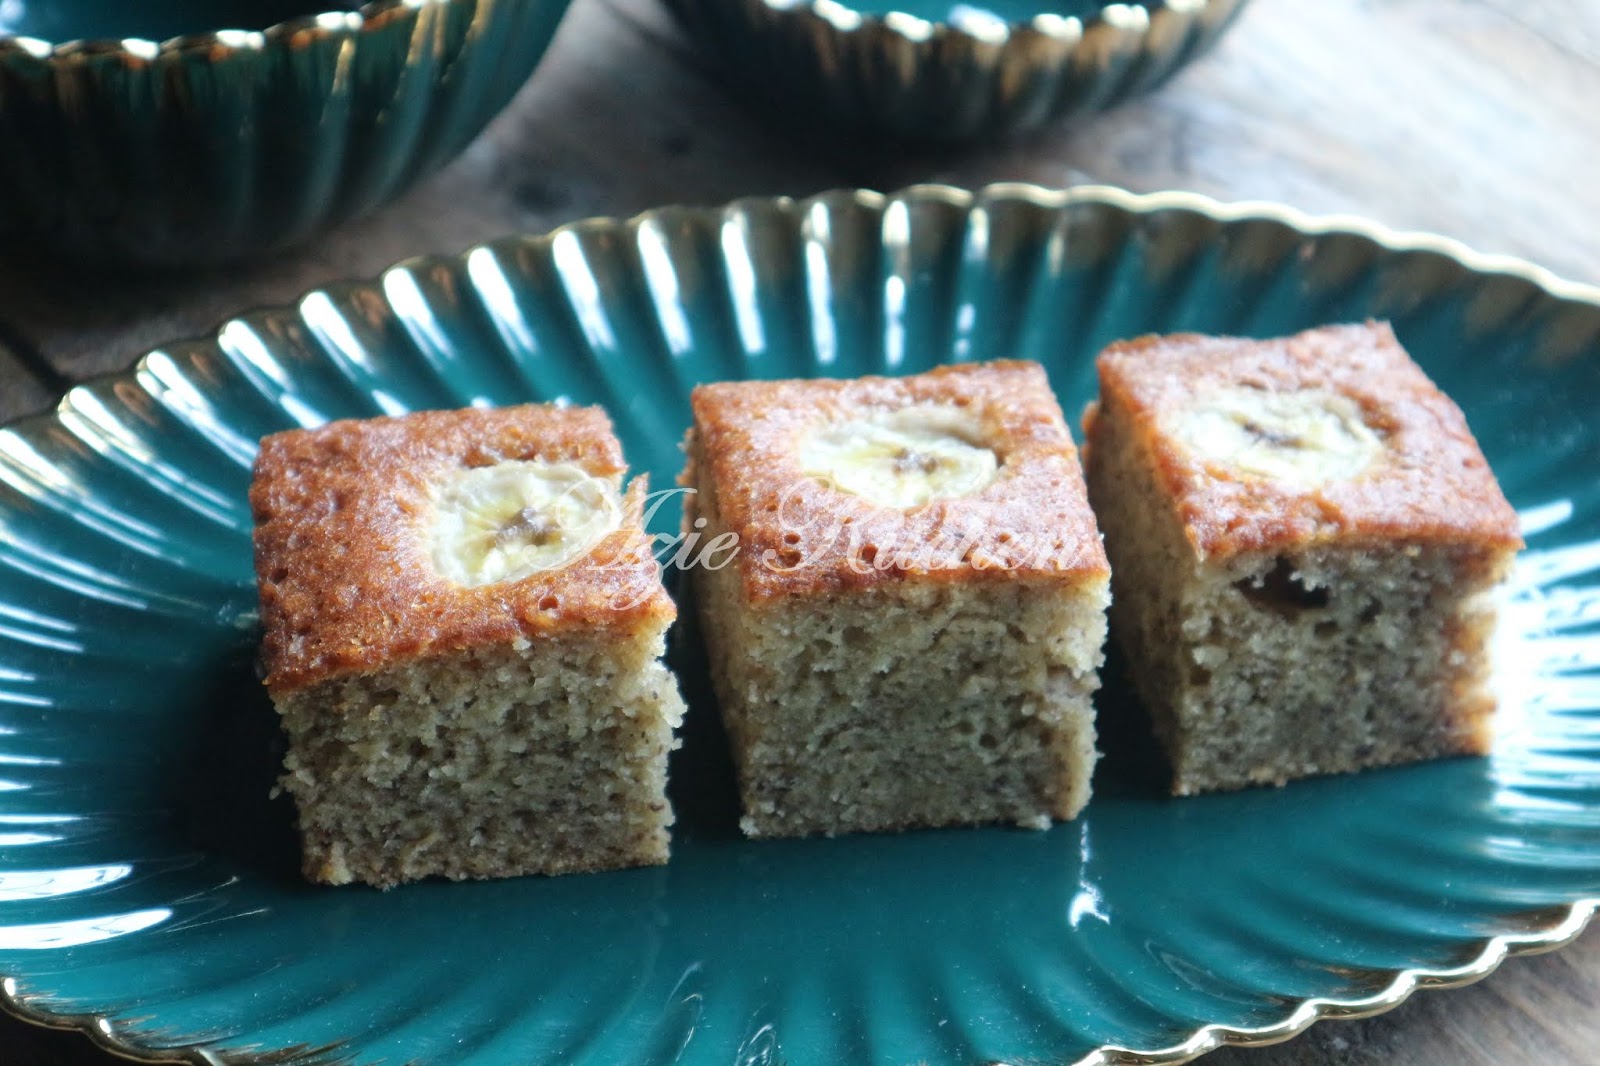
[(50, 936), (18, 885), (1087, 901), (129, 701), (1547, 749)]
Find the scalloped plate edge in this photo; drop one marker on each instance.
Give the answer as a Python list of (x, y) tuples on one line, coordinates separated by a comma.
[(1570, 924), (1572, 921), (1549, 928)]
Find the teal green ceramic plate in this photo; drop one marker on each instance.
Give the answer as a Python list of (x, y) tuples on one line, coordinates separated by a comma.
[(148, 885)]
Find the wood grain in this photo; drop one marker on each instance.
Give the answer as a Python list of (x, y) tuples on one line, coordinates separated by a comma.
[(1475, 118), (1443, 115)]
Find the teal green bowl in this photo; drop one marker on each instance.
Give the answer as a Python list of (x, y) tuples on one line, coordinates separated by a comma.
[(942, 70), (153, 137), (149, 882)]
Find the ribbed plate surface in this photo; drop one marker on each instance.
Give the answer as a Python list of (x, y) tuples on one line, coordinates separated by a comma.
[(147, 883), (944, 71)]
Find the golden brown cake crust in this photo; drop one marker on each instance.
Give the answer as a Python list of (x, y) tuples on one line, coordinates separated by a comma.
[(800, 536), (1431, 483), (342, 555)]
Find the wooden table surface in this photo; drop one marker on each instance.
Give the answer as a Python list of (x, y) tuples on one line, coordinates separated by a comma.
[(1479, 119)]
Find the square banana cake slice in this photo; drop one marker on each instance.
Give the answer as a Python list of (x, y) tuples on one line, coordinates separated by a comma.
[(911, 629), (1305, 539), (463, 635)]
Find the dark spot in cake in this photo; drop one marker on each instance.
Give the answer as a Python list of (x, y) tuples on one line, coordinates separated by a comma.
[(528, 526), (1370, 613), (907, 461), (1275, 437), (550, 603), (1325, 630), (1281, 591), (989, 741), (791, 537)]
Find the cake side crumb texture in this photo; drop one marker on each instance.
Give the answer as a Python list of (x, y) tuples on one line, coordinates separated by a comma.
[(544, 757)]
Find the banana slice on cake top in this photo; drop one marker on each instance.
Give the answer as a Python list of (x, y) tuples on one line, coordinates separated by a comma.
[(1305, 437), (901, 458), (516, 518)]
